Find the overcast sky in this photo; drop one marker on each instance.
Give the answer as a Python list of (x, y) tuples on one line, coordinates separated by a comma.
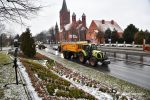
[(124, 12)]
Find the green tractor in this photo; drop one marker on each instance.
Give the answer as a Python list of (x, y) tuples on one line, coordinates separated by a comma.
[(90, 53)]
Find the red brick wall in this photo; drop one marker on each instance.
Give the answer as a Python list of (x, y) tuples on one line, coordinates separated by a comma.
[(90, 33), (64, 18)]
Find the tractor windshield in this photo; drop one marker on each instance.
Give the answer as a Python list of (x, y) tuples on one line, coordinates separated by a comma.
[(90, 47), (94, 47)]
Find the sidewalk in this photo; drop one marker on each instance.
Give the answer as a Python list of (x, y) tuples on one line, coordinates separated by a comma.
[(8, 88)]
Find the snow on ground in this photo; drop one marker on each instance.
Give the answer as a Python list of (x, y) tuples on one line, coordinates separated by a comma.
[(32, 92), (93, 91), (8, 85)]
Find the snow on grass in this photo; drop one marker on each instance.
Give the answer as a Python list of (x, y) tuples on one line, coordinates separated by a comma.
[(91, 90), (32, 92)]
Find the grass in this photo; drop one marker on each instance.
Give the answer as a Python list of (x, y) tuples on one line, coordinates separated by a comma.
[(3, 60)]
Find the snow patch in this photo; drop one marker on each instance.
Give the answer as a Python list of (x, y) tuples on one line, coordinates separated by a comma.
[(31, 89), (93, 91)]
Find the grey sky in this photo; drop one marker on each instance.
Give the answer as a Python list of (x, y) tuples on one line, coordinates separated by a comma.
[(124, 12)]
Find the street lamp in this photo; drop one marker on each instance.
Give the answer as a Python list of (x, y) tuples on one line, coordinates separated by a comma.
[(1, 40), (114, 91)]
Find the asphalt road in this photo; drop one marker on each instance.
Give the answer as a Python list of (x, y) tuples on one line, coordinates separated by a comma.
[(135, 73), (132, 72)]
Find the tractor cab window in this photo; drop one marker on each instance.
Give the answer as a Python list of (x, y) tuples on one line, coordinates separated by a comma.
[(94, 47), (86, 47)]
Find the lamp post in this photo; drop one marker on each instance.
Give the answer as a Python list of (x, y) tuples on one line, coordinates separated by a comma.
[(114, 91), (1, 41)]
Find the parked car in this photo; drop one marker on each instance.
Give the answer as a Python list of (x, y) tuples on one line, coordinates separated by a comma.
[(41, 46), (55, 47)]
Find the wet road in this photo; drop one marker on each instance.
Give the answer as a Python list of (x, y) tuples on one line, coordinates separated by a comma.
[(132, 72), (135, 73)]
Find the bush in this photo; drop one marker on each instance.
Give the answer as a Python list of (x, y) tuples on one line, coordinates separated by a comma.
[(1, 93), (50, 89), (51, 62), (28, 44), (60, 93), (124, 98), (76, 93), (103, 89)]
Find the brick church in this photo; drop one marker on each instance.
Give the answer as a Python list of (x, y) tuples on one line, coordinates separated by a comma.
[(74, 30)]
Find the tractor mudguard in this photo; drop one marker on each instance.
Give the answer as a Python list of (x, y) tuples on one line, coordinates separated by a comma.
[(85, 54)]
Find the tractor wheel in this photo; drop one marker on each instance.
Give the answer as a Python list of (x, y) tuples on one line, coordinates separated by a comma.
[(82, 58), (67, 55), (64, 54), (93, 61)]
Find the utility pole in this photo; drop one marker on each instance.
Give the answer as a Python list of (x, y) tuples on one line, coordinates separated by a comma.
[(15, 64)]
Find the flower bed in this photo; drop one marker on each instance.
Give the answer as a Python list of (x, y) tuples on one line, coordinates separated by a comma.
[(48, 85), (69, 74), (38, 56)]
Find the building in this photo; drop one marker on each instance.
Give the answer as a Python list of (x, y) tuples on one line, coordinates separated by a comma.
[(71, 31), (99, 27), (76, 30), (64, 15)]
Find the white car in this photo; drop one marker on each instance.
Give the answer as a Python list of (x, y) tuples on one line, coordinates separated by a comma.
[(55, 47)]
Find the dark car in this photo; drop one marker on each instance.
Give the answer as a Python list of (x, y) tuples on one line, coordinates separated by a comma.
[(41, 46)]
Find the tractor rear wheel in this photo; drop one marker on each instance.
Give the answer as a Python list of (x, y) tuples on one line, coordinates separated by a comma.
[(93, 61), (82, 58), (66, 55)]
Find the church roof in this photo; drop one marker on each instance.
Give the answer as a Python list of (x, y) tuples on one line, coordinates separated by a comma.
[(83, 14), (64, 6), (73, 14), (107, 24), (69, 26)]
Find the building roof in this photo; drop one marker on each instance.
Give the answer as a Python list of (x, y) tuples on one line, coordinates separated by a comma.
[(83, 14), (68, 26), (78, 27), (104, 25), (73, 14), (64, 6)]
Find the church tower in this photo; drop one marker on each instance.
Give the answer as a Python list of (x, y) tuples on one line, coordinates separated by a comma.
[(64, 15), (84, 20)]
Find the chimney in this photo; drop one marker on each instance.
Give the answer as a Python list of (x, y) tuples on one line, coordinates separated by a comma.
[(103, 21)]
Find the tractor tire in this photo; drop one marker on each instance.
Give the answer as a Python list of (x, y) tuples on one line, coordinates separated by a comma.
[(93, 61), (82, 58), (66, 55)]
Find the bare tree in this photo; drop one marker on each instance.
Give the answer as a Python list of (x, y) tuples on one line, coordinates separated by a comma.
[(16, 10)]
